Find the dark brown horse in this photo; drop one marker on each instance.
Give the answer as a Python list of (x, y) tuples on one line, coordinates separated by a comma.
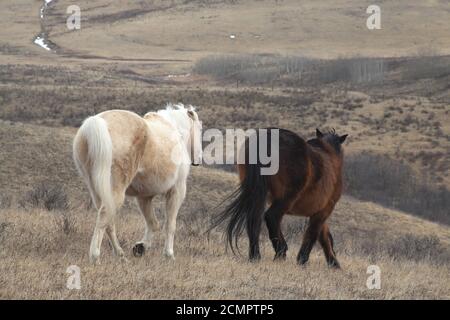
[(308, 183)]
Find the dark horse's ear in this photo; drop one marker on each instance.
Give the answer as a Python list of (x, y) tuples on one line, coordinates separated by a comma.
[(342, 138), (318, 133)]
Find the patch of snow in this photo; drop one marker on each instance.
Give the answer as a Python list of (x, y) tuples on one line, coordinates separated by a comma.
[(40, 41), (178, 75)]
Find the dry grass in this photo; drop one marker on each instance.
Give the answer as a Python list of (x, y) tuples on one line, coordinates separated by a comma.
[(401, 119), (37, 246), (289, 26), (111, 63), (192, 29)]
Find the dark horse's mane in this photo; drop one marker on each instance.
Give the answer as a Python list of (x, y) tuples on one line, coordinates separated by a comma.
[(332, 138)]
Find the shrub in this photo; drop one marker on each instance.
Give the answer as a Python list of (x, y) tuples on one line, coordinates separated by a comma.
[(290, 70), (46, 195), (357, 70), (426, 68), (65, 223), (416, 248), (5, 201), (392, 183)]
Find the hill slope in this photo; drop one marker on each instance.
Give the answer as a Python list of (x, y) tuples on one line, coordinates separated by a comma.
[(36, 246), (190, 29)]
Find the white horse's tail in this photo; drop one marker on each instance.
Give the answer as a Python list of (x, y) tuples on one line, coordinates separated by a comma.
[(99, 157)]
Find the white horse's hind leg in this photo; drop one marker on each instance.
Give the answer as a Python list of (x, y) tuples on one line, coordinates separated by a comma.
[(100, 226), (111, 232), (119, 198), (174, 199), (151, 225), (106, 222)]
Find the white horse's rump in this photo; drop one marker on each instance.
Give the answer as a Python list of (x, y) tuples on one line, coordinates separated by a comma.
[(119, 153)]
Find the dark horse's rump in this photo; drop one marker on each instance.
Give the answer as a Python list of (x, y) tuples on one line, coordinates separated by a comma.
[(308, 183)]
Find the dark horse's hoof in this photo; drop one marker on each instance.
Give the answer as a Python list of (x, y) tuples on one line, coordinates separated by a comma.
[(334, 264), (138, 250), (255, 258), (302, 260), (280, 257)]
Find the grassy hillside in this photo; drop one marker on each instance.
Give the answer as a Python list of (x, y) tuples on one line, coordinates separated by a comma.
[(404, 119), (38, 245), (287, 63), (190, 29)]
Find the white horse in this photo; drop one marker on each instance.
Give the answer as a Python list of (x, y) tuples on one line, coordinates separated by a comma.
[(120, 153)]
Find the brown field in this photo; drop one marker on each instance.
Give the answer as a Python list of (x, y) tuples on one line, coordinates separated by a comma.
[(38, 245), (139, 55)]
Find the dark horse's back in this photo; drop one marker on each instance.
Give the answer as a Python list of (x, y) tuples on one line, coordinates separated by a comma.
[(301, 167), (294, 162), (308, 183)]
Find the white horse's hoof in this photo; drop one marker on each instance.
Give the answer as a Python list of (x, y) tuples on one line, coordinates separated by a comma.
[(139, 249), (169, 255), (94, 260)]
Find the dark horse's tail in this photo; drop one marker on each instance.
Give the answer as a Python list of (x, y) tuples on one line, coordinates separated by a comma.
[(246, 208)]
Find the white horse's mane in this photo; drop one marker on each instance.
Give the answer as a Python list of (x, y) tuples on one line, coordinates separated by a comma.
[(179, 106), (177, 115)]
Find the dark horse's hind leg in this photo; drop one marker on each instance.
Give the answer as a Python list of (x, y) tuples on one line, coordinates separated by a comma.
[(326, 241), (273, 218), (309, 239), (253, 252)]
